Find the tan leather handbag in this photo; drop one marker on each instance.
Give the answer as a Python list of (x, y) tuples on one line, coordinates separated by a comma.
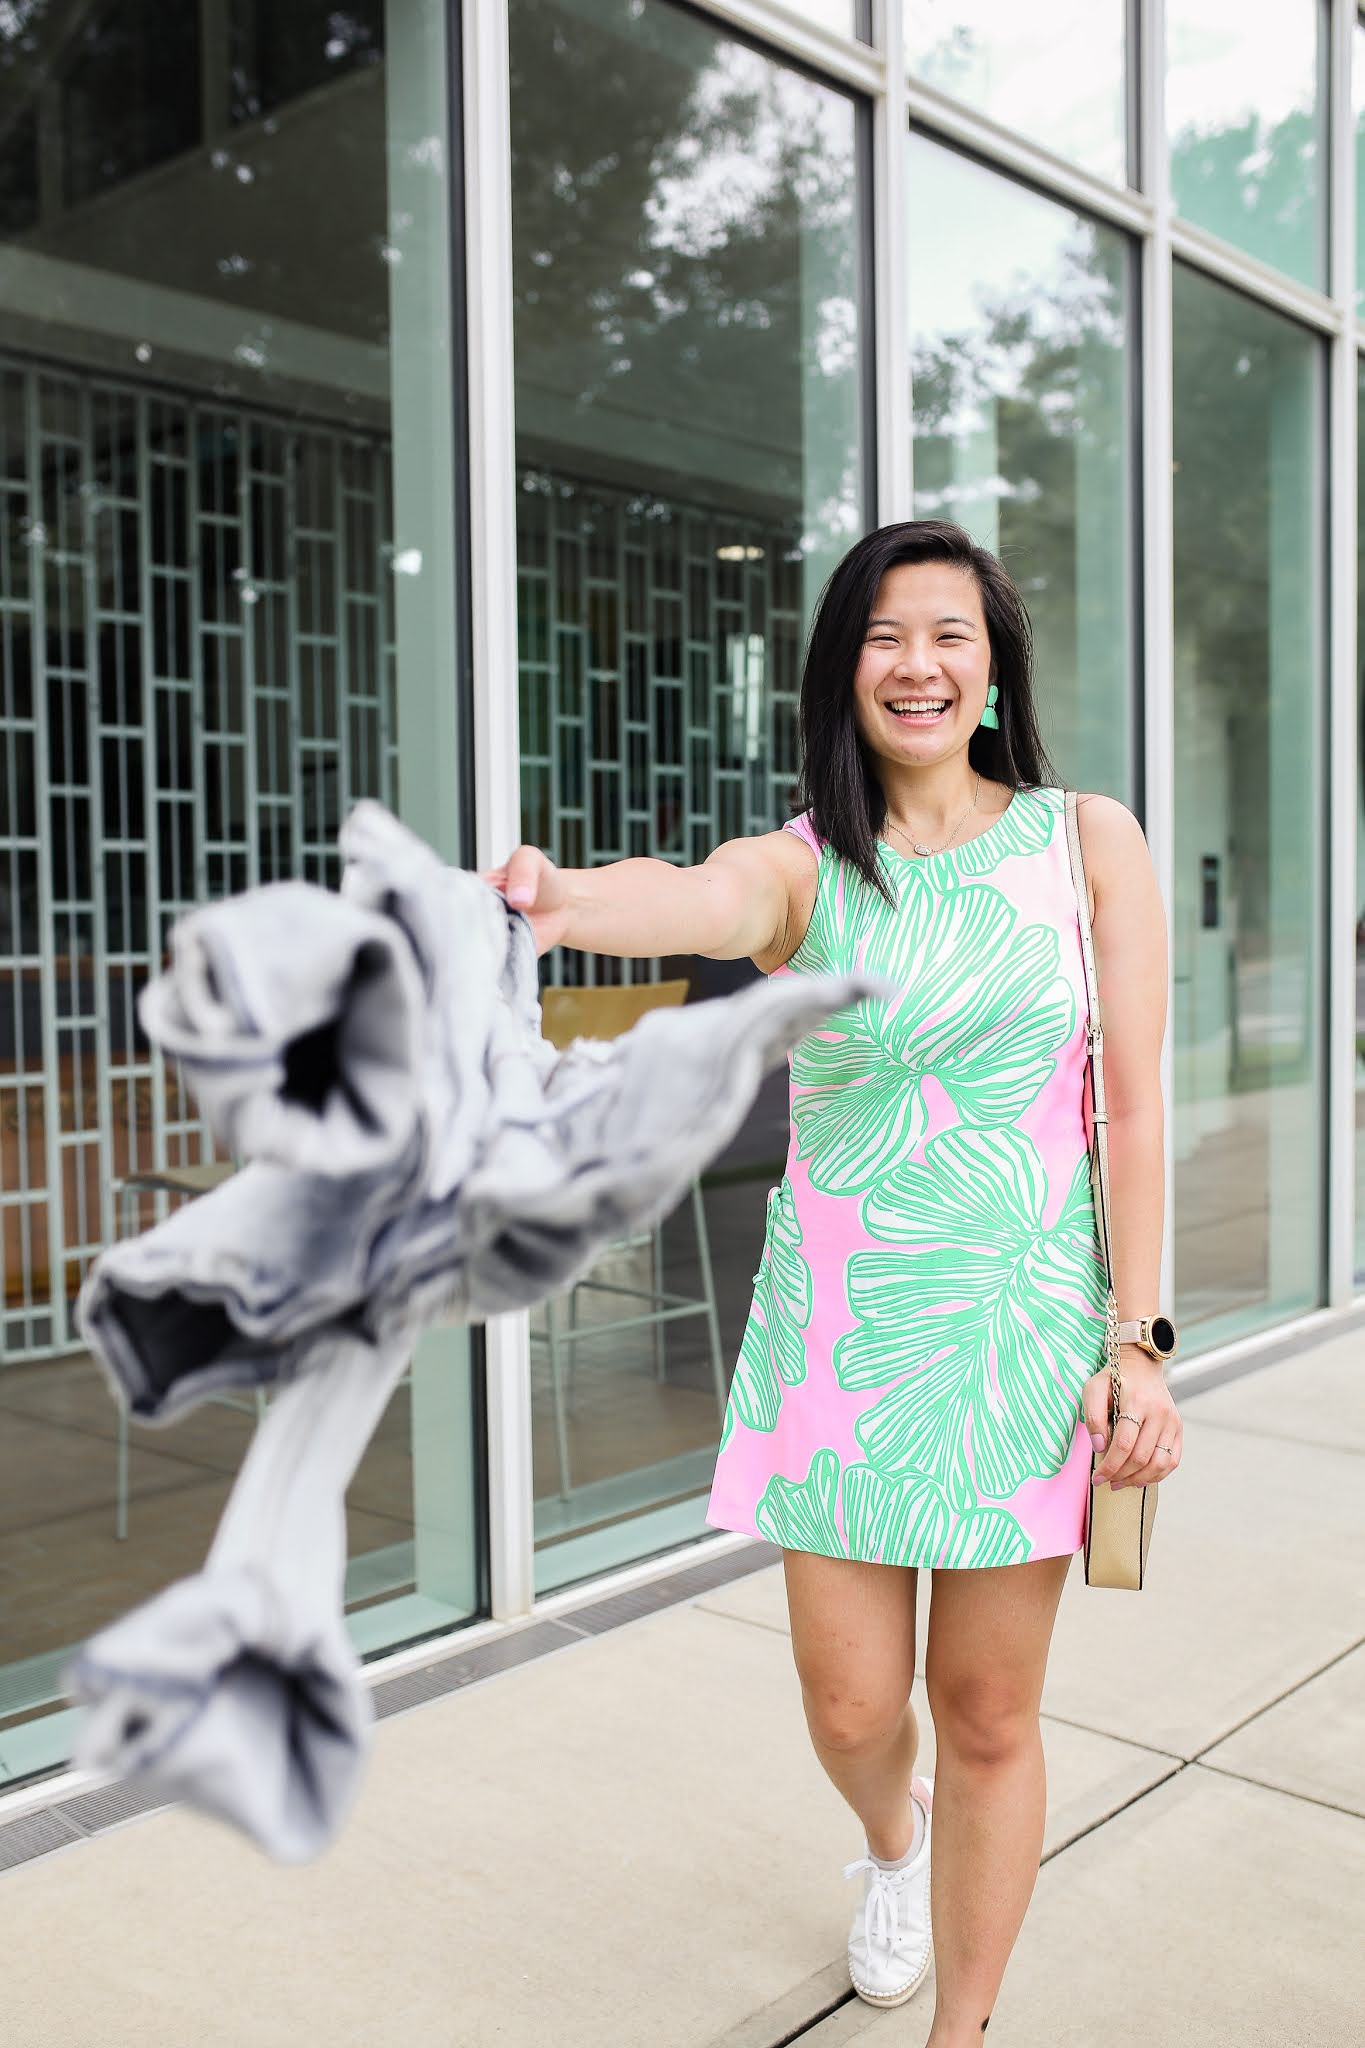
[(1118, 1526)]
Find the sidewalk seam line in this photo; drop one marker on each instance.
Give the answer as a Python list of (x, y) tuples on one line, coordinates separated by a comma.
[(1178, 1765), (1285, 1791), (1129, 1741), (1181, 1766), (1308, 1679), (745, 1621)]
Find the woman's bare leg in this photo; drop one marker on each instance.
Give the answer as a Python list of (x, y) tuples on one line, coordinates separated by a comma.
[(853, 1638), (989, 1634)]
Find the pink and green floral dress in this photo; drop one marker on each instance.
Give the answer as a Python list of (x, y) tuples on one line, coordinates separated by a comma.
[(930, 1298)]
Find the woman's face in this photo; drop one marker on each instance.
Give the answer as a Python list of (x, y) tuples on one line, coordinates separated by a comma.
[(921, 681)]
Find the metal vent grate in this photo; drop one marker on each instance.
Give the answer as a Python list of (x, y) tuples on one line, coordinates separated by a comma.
[(91, 1812)]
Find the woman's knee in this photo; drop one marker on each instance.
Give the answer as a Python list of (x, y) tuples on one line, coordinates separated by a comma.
[(983, 1720), (847, 1720)]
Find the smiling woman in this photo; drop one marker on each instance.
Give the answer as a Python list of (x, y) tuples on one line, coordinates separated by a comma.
[(920, 1384), (922, 619)]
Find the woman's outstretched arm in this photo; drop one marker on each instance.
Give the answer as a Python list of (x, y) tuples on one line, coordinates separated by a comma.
[(751, 899)]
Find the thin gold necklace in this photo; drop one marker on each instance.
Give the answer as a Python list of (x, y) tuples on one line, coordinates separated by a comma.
[(917, 846)]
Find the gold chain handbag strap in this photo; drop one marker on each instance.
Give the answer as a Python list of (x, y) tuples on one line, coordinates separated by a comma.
[(1099, 1143)]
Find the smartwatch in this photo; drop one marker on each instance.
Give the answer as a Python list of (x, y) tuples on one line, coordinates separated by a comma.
[(1156, 1335)]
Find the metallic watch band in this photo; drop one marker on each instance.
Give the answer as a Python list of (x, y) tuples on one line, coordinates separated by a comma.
[(1140, 1332)]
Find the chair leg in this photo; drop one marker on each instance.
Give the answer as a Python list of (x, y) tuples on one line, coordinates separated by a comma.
[(127, 1215), (708, 1287), (572, 1320), (557, 1388), (656, 1281), (121, 1477)]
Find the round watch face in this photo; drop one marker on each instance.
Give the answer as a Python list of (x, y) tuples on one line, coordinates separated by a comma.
[(1163, 1335)]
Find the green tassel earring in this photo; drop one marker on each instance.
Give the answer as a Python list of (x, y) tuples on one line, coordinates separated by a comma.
[(990, 716)]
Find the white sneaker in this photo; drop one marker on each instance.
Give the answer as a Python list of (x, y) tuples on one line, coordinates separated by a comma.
[(890, 1944)]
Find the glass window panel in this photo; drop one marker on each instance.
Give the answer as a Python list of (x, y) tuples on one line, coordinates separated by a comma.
[(689, 331), (1246, 114), (1360, 860), (844, 17), (123, 98), (19, 175), (1358, 108), (280, 52), (1021, 322), (1054, 71), (208, 504), (1249, 803)]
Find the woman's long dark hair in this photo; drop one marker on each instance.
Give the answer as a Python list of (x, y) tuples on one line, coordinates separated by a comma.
[(838, 784)]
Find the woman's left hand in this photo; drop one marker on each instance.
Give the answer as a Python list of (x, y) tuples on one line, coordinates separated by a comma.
[(1142, 1451)]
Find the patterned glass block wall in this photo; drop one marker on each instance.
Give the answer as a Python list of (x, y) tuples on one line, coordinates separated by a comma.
[(660, 657), (196, 680)]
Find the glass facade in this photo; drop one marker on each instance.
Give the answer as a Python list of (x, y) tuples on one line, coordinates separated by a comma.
[(215, 329), (1056, 72), (843, 17), (245, 383), (1358, 898), (1021, 351), (1246, 113), (685, 253), (1249, 806), (1358, 110)]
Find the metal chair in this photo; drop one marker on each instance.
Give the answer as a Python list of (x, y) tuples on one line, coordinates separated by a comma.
[(567, 1014)]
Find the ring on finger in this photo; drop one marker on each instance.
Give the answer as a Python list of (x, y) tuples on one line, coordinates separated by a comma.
[(1136, 1420)]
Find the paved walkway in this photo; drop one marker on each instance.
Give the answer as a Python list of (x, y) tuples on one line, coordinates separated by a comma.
[(629, 1843)]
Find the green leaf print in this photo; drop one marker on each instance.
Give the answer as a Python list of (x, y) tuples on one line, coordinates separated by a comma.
[(1024, 828), (799, 1515), (984, 1008), (982, 1325), (846, 909), (773, 1348), (885, 1522), (987, 1536), (890, 1523)]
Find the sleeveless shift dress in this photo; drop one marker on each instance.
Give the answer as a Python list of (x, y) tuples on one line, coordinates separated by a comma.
[(930, 1299)]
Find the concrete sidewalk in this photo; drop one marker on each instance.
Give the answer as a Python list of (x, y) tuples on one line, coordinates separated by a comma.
[(628, 1842)]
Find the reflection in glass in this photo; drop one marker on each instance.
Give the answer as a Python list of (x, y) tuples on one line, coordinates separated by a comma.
[(1249, 684), (1246, 115), (123, 103), (688, 338), (1020, 316), (282, 52), (844, 17), (204, 375), (1358, 109), (1055, 71), (1360, 857)]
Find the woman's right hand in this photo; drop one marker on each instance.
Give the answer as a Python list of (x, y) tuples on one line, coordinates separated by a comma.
[(530, 882)]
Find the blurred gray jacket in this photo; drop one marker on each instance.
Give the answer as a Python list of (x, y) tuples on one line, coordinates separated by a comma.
[(416, 1152)]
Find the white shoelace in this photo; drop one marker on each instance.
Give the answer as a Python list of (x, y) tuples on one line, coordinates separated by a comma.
[(881, 1908)]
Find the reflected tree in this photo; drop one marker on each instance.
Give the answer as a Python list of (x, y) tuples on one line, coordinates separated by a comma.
[(1020, 433), (685, 245), (1258, 186)]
